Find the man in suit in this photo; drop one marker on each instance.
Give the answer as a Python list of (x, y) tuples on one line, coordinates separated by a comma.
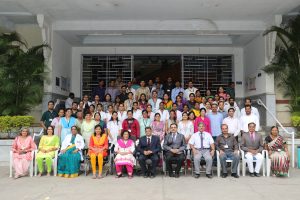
[(174, 146), (149, 147), (252, 144)]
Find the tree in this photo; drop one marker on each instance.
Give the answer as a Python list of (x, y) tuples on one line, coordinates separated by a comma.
[(22, 73), (286, 62)]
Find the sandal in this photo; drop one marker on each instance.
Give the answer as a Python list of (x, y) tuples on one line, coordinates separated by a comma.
[(94, 177), (99, 177), (130, 176), (118, 175)]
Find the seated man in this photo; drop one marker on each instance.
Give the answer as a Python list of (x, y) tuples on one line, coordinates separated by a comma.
[(149, 147), (202, 145), (174, 146), (252, 144), (228, 147)]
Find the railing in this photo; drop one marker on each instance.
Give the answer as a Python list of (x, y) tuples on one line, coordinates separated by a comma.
[(259, 102)]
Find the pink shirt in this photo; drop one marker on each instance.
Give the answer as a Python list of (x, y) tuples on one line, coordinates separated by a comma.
[(206, 122)]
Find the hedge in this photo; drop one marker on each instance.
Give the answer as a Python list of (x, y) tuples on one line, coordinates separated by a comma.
[(7, 123)]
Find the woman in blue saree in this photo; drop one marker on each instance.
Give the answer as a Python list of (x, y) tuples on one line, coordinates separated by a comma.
[(70, 155)]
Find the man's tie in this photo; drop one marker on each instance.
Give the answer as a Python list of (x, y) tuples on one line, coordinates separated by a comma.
[(252, 136), (201, 138), (174, 138), (148, 142)]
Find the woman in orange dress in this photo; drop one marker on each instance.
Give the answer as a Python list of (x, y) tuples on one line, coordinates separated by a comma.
[(98, 148)]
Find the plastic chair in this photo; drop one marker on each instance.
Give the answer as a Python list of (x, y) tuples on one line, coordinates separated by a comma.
[(268, 163), (244, 164), (54, 164), (11, 163), (227, 161)]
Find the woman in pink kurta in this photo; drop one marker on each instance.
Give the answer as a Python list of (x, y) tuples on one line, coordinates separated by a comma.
[(22, 148), (204, 119), (158, 127)]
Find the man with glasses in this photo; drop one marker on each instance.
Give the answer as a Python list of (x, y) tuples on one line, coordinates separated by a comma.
[(202, 145), (174, 146)]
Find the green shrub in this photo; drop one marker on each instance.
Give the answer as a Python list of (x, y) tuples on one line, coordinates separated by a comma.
[(7, 123)]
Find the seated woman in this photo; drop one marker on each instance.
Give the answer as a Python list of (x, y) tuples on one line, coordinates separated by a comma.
[(278, 153), (70, 155), (124, 149), (98, 148), (22, 148), (48, 145)]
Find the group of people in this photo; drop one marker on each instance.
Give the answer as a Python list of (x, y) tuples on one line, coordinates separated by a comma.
[(139, 122)]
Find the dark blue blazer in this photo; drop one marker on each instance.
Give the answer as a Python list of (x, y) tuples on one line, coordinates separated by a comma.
[(155, 146)]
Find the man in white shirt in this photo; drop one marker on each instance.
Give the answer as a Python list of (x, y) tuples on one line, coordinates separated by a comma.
[(253, 109), (202, 145), (189, 90), (137, 113), (154, 101), (232, 104), (69, 101), (248, 118), (232, 123), (122, 114), (164, 114)]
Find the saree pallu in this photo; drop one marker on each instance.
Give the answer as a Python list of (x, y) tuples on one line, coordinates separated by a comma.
[(69, 163), (279, 158)]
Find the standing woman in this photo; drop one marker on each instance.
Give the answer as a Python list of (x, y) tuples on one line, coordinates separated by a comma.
[(143, 102), (65, 124), (158, 127), (87, 128), (98, 120), (204, 119), (107, 102), (114, 127), (278, 153), (198, 97), (70, 155), (81, 106), (172, 119), (179, 103), (56, 121), (124, 150), (98, 148), (144, 122), (167, 102), (222, 93), (129, 102), (192, 117), (186, 127), (22, 148), (48, 145)]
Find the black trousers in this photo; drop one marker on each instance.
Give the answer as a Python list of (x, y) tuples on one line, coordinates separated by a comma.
[(172, 158), (152, 168)]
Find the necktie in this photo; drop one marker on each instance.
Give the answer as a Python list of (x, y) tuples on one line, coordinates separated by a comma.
[(148, 141), (201, 138), (174, 138), (252, 136)]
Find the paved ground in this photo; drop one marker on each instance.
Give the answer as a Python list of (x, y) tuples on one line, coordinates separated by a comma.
[(184, 188)]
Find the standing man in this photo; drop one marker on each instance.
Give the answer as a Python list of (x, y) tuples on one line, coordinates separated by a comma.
[(228, 147), (176, 90), (99, 90), (69, 100), (216, 120), (248, 118), (252, 144), (48, 116), (149, 147), (231, 89), (123, 95), (189, 90), (132, 125), (154, 101), (112, 90), (168, 86), (130, 89), (202, 145), (233, 123), (174, 146), (254, 110)]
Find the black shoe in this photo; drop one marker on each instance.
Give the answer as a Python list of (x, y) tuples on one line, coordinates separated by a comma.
[(146, 176), (251, 175), (224, 175), (152, 175), (256, 174), (235, 175), (171, 174), (197, 175), (208, 175), (177, 175)]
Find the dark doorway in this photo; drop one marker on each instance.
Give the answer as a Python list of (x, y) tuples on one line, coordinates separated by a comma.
[(150, 66)]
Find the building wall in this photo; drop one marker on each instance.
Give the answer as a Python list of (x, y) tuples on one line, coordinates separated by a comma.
[(254, 61), (77, 53)]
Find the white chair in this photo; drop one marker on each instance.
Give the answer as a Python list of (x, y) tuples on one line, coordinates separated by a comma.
[(54, 164), (268, 163), (11, 163), (227, 161), (244, 164)]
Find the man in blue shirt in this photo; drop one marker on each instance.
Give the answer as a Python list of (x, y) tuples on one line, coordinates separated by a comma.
[(216, 120), (99, 90), (176, 90)]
